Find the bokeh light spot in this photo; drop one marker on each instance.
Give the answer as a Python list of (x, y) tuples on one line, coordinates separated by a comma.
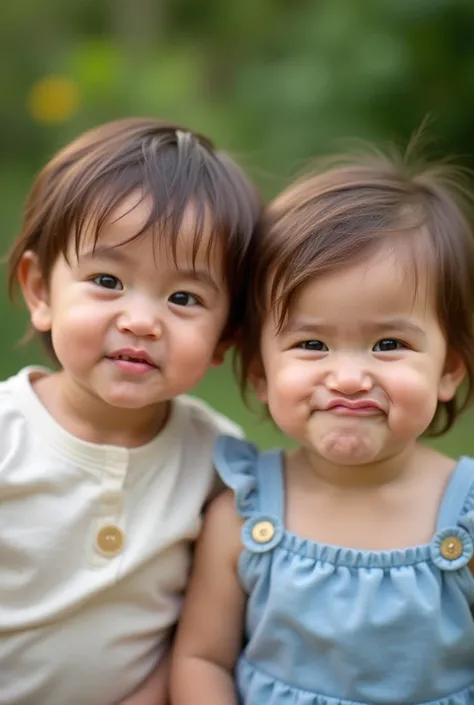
[(53, 99)]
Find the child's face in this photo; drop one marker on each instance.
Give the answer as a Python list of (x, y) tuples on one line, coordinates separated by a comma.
[(129, 325), (357, 371)]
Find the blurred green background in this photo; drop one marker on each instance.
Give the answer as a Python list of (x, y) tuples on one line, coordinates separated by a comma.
[(275, 82)]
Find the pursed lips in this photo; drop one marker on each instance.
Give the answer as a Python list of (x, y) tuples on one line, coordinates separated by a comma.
[(349, 407)]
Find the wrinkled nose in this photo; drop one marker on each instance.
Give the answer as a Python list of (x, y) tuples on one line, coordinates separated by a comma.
[(349, 376)]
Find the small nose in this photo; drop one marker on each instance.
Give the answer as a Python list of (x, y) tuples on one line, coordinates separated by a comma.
[(349, 375), (141, 319)]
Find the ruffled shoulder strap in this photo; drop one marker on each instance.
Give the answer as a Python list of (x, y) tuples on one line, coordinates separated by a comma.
[(255, 478), (452, 547), (467, 509), (458, 499)]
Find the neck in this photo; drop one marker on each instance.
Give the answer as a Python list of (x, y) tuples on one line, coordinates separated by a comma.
[(395, 468), (90, 419)]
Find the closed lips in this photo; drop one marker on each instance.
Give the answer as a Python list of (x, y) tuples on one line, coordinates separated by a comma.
[(360, 404)]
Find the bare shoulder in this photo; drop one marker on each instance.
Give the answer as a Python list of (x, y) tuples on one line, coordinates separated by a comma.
[(222, 524), (223, 507), (433, 475), (435, 461)]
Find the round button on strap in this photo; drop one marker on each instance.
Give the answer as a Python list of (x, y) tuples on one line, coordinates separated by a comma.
[(451, 548), (263, 531)]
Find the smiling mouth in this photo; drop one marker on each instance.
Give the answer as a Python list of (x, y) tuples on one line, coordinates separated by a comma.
[(129, 358), (131, 364)]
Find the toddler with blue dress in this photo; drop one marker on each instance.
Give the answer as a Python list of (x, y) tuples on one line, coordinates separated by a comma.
[(341, 572)]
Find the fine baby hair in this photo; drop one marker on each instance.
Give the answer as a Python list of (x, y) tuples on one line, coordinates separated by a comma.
[(88, 179), (341, 213)]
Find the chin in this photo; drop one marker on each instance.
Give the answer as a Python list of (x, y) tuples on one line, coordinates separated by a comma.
[(126, 401), (344, 459), (348, 448)]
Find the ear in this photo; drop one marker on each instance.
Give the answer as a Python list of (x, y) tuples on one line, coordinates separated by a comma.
[(453, 375), (258, 381), (35, 291)]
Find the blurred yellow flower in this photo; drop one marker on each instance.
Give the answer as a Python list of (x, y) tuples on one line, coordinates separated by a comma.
[(53, 99)]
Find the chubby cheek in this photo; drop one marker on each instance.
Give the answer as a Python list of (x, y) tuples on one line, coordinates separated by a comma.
[(190, 351), (78, 333), (414, 401), (88, 318), (289, 394)]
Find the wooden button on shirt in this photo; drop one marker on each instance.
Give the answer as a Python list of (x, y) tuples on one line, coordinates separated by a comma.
[(95, 548), (110, 540)]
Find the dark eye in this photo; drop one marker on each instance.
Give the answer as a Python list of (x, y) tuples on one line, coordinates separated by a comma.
[(388, 345), (108, 281), (313, 345), (183, 298)]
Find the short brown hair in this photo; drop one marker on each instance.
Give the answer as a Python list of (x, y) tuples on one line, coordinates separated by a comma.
[(339, 215), (88, 179)]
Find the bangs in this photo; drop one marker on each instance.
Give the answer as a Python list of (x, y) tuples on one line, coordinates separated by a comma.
[(89, 183), (172, 180), (411, 250)]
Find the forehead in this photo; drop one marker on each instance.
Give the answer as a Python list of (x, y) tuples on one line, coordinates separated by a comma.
[(390, 282), (128, 226)]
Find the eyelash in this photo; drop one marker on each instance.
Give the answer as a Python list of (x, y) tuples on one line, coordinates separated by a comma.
[(307, 345), (96, 279), (197, 300), (399, 343)]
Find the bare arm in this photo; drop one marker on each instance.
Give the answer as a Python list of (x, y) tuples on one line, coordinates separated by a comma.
[(154, 690), (211, 626)]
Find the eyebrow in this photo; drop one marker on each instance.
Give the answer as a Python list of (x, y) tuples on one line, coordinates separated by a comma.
[(116, 254), (308, 327), (102, 252), (199, 273), (397, 324)]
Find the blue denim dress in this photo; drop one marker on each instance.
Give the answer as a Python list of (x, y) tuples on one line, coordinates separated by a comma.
[(327, 625)]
